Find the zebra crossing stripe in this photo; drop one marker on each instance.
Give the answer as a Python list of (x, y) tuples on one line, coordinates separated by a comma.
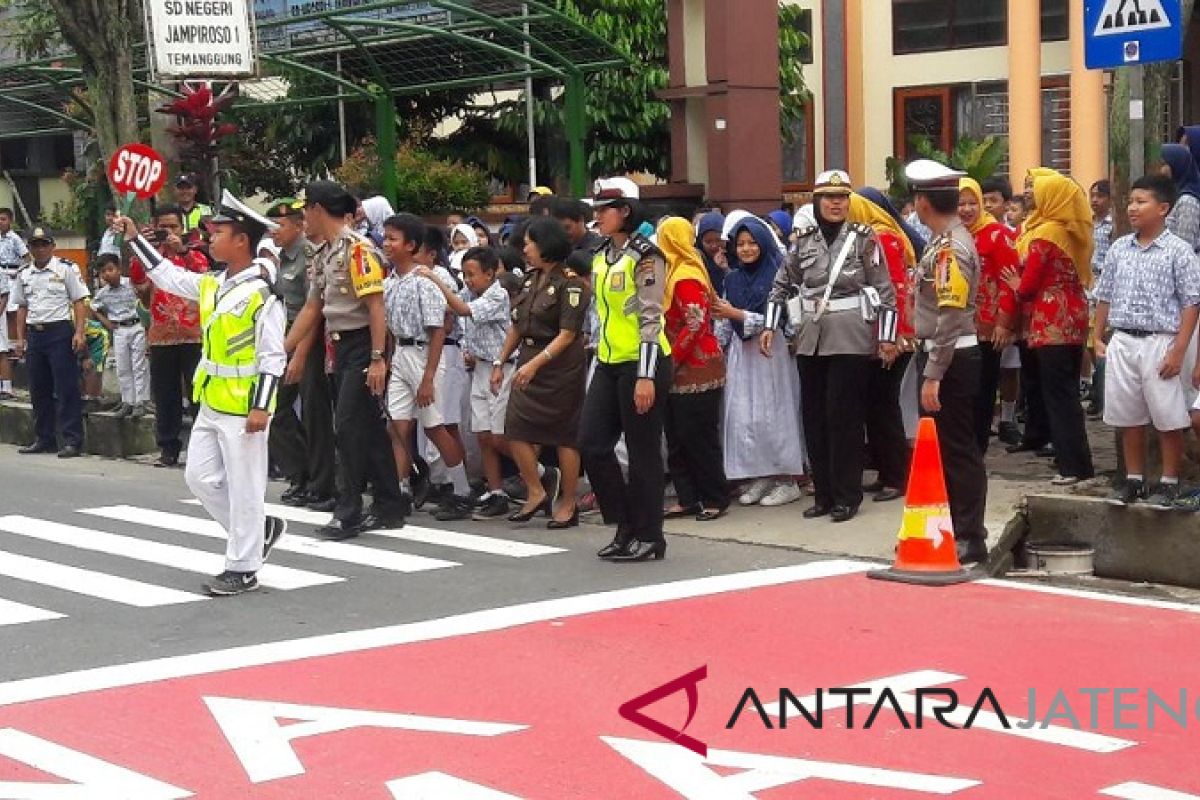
[(91, 583), (434, 536), (334, 551), (168, 555), (18, 613)]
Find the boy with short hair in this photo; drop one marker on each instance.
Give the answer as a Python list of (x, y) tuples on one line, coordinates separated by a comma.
[(485, 310), (416, 317), (115, 307), (13, 255), (997, 191), (1149, 295)]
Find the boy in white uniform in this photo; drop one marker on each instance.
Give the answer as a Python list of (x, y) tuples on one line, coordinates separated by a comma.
[(115, 307), (235, 384), (1149, 295)]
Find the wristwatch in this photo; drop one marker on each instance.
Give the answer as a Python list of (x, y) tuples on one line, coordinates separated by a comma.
[(377, 355), (497, 363)]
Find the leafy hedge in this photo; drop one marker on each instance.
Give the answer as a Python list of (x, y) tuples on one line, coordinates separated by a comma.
[(427, 184)]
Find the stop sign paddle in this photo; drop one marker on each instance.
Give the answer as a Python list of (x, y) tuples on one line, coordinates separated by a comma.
[(136, 170)]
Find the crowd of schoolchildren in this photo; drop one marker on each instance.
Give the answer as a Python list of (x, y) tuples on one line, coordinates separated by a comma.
[(1066, 318)]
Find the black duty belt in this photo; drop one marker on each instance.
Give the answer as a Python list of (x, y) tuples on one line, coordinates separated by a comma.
[(340, 336), (529, 341), (1137, 334), (410, 343), (49, 326), (451, 342), (126, 323)]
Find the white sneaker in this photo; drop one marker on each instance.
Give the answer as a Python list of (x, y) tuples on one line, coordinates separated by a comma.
[(782, 494), (1064, 480), (757, 491)]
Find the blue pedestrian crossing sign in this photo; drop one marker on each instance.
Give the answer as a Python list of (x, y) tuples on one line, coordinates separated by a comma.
[(1122, 33)]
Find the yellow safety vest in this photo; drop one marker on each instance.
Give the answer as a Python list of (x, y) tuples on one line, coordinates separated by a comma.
[(620, 335), (228, 370)]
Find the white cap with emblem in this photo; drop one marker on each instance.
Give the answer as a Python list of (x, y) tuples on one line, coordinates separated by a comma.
[(927, 175)]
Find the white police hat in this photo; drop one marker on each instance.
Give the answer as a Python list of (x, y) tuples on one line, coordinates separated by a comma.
[(607, 191), (832, 181), (926, 175), (234, 210)]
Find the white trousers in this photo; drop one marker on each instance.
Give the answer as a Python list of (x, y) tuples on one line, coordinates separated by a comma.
[(133, 368), (227, 471)]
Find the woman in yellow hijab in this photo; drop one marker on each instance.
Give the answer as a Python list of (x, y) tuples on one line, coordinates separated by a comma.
[(693, 412), (1056, 252)]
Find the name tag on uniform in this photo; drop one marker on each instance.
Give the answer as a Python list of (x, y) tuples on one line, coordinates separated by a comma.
[(617, 282)]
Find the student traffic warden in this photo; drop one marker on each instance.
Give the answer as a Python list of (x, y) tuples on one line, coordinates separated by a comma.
[(235, 384)]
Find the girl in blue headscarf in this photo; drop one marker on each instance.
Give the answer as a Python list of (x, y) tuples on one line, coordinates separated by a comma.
[(1184, 219), (763, 441), (712, 249), (880, 199)]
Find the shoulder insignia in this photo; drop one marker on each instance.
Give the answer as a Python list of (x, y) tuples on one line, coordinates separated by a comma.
[(644, 247), (574, 296), (861, 229), (806, 230), (570, 273)]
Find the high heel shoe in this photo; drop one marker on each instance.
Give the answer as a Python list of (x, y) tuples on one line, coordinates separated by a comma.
[(617, 546), (559, 525), (525, 516), (643, 551)]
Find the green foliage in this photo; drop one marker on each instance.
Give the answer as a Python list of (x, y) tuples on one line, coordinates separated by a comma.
[(428, 184), (979, 158), (31, 26), (83, 212)]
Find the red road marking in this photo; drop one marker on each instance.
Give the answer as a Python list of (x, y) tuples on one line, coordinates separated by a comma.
[(565, 681)]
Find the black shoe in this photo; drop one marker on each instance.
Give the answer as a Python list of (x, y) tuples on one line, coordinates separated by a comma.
[(887, 494), (339, 531), (562, 525), (438, 495), (1009, 433), (494, 507), (37, 448), (515, 488), (229, 583), (817, 511), (454, 509), (1163, 497), (642, 551), (295, 495), (1046, 451), (1094, 410), (1023, 447), (552, 483), (273, 530), (842, 513), (525, 516), (620, 543), (69, 451), (374, 521), (419, 481), (971, 551), (323, 504), (167, 460), (1127, 493)]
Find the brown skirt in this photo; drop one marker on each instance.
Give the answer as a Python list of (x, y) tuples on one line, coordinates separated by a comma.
[(547, 411)]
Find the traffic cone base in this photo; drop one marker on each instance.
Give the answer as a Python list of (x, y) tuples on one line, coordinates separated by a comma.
[(927, 553)]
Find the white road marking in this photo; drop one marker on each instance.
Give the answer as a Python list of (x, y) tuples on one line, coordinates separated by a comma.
[(168, 555), (434, 536), (91, 583), (1144, 791), (440, 786), (1087, 594), (493, 619), (18, 613), (334, 551)]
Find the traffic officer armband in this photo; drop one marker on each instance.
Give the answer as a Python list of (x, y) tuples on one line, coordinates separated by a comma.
[(648, 354), (774, 315), (950, 284), (889, 324), (264, 392)]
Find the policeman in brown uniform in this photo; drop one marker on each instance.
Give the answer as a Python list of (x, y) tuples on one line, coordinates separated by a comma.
[(844, 306), (347, 289), (949, 357)]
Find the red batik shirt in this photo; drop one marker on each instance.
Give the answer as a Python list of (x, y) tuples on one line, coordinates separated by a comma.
[(1052, 289), (995, 301), (173, 320), (695, 351), (894, 253)]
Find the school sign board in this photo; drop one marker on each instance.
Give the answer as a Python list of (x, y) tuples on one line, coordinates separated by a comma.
[(201, 38), (1124, 33)]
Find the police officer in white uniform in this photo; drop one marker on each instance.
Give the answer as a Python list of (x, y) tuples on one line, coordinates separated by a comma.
[(51, 315), (236, 383)]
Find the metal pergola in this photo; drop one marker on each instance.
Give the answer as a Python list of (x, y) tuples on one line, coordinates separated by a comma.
[(371, 52)]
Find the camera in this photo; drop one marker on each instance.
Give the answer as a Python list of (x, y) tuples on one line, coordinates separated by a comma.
[(160, 235)]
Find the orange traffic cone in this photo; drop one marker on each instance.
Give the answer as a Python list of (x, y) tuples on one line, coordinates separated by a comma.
[(926, 553)]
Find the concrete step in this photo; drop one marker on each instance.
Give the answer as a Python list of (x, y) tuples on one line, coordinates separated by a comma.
[(104, 434)]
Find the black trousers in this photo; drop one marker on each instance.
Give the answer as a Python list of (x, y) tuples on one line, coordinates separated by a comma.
[(634, 504), (54, 384), (171, 369), (962, 463), (697, 467), (303, 446), (1058, 372), (885, 423), (360, 432), (989, 384), (1037, 423), (833, 392)]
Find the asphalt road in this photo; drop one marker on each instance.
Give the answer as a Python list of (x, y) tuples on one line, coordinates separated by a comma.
[(54, 620)]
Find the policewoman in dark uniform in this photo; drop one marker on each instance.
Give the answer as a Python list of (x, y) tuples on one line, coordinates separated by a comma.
[(548, 386), (301, 446), (629, 388), (841, 291), (347, 290), (51, 314), (949, 358)]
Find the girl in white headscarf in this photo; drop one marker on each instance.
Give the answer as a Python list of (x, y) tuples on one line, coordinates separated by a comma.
[(375, 210), (462, 239)]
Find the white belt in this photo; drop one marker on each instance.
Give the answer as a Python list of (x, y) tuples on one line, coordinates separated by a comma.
[(960, 343), (840, 304), (223, 371)]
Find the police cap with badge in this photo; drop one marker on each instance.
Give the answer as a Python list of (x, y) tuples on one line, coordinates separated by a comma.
[(39, 236), (285, 207), (926, 175), (234, 212)]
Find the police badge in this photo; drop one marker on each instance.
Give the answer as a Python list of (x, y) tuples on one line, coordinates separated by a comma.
[(574, 295)]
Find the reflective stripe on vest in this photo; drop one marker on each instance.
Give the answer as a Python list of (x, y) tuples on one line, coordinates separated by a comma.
[(226, 374), (620, 335)]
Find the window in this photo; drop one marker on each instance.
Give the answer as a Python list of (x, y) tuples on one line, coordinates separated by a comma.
[(798, 156), (920, 26), (923, 112)]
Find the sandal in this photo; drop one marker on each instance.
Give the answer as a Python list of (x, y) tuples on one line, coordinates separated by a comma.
[(709, 514), (678, 513)]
